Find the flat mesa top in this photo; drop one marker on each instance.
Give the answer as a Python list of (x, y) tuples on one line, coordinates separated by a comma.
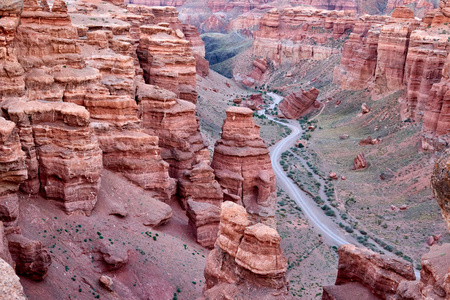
[(239, 110)]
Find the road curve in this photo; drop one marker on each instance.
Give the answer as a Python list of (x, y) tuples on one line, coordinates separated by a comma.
[(329, 230), (292, 189)]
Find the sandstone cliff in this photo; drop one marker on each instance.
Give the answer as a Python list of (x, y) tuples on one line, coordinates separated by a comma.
[(291, 34), (398, 53)]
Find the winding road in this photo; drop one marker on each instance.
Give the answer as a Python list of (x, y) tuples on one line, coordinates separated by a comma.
[(316, 216), (330, 231)]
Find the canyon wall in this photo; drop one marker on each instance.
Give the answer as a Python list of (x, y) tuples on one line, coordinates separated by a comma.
[(399, 53), (286, 36)]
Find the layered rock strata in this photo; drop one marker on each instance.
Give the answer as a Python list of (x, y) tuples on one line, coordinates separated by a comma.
[(199, 182), (259, 68), (173, 120), (436, 119), (359, 162), (247, 261), (13, 172), (204, 221), (31, 258), (64, 159), (288, 35), (300, 103), (392, 50), (174, 70), (201, 196), (378, 276), (242, 166), (198, 49)]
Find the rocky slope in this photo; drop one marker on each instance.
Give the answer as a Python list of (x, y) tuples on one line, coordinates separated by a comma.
[(390, 278)]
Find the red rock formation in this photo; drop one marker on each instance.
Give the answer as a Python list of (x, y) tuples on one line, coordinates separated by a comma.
[(259, 68), (392, 51), (195, 42), (173, 70), (138, 157), (204, 221), (369, 141), (291, 34), (426, 57), (175, 3), (13, 172), (435, 273), (299, 104), (377, 275), (436, 119), (242, 166), (215, 23), (31, 258), (62, 146), (247, 261), (359, 56), (11, 72), (174, 122), (199, 182), (365, 109), (440, 182), (359, 162), (198, 49)]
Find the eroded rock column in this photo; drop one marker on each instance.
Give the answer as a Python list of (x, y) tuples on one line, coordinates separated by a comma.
[(243, 168)]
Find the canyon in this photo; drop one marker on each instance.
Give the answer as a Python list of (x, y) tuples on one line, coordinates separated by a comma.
[(130, 169)]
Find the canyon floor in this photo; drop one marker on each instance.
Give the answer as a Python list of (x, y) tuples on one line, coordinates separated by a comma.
[(363, 199)]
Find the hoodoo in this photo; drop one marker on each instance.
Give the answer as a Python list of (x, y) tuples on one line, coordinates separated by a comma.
[(242, 166)]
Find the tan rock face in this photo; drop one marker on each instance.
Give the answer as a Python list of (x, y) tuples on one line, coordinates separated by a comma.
[(440, 183), (299, 104), (61, 145), (246, 258), (242, 166), (10, 282)]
